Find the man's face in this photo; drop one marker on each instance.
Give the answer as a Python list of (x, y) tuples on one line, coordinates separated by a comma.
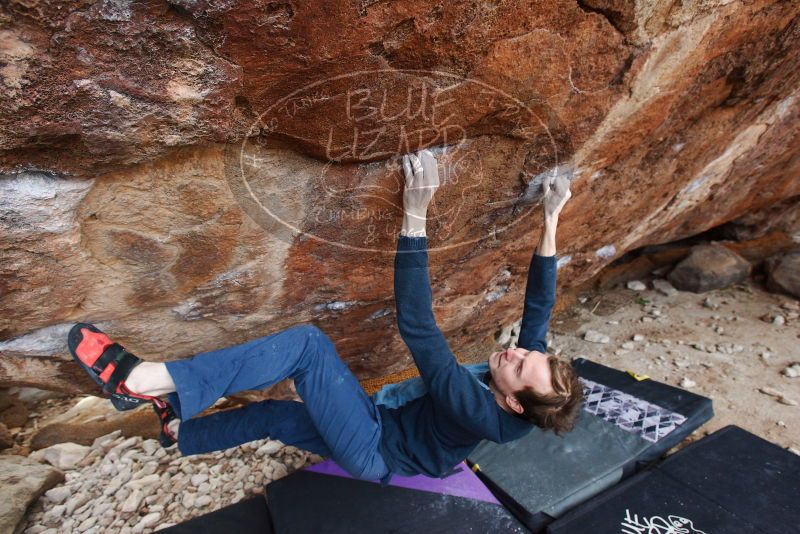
[(515, 369)]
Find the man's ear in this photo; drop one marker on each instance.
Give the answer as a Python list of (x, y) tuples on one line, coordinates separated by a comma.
[(514, 404)]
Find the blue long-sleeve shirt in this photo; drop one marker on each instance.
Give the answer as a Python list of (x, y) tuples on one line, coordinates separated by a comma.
[(432, 423)]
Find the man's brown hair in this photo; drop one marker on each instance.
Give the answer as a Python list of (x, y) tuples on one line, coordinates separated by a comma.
[(556, 411)]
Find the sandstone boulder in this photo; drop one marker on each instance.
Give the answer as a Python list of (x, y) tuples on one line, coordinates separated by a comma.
[(783, 273), (90, 418), (22, 481), (13, 412), (6, 439), (709, 267), (63, 456), (248, 179), (664, 287), (138, 423), (32, 396)]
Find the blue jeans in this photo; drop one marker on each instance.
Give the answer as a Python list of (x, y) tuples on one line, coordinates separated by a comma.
[(337, 419)]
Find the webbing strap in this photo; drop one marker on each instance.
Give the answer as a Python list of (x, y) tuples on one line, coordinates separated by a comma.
[(109, 355), (125, 361)]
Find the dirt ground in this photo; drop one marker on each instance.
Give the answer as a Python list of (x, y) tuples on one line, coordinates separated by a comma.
[(722, 344)]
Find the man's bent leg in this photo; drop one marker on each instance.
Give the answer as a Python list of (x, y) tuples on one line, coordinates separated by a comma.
[(259, 363), (344, 416), (283, 420)]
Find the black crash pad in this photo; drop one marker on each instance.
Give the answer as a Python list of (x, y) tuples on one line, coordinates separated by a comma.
[(625, 424), (324, 499), (730, 482), (249, 516)]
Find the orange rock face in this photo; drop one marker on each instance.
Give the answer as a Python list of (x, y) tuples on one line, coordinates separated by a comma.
[(192, 174)]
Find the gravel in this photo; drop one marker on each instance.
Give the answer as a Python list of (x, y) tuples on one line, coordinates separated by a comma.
[(134, 486)]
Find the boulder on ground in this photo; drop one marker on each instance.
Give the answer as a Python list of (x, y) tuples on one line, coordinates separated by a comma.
[(709, 267), (6, 440), (141, 422), (664, 287), (90, 418), (64, 456), (31, 396), (783, 273), (22, 481), (13, 412)]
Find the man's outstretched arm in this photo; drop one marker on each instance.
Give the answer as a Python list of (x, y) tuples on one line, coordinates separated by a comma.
[(414, 304), (452, 387), (412, 288), (540, 291)]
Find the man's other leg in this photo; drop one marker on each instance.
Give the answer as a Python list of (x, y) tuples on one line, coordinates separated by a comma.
[(343, 414), (283, 420)]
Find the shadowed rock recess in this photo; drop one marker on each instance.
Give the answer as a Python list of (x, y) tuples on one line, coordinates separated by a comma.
[(192, 174)]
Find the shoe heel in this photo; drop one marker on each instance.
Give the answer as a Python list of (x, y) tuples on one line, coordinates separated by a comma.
[(123, 405)]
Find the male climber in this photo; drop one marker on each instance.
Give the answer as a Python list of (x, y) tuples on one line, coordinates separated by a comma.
[(425, 425)]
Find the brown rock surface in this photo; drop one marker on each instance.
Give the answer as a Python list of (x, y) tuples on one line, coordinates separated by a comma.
[(783, 273), (13, 412), (91, 418), (6, 439), (22, 481), (189, 175)]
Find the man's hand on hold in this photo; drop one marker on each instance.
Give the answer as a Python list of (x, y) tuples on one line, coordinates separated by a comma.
[(556, 194), (421, 182)]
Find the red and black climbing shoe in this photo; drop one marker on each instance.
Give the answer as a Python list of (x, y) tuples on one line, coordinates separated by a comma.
[(108, 363), (165, 415)]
